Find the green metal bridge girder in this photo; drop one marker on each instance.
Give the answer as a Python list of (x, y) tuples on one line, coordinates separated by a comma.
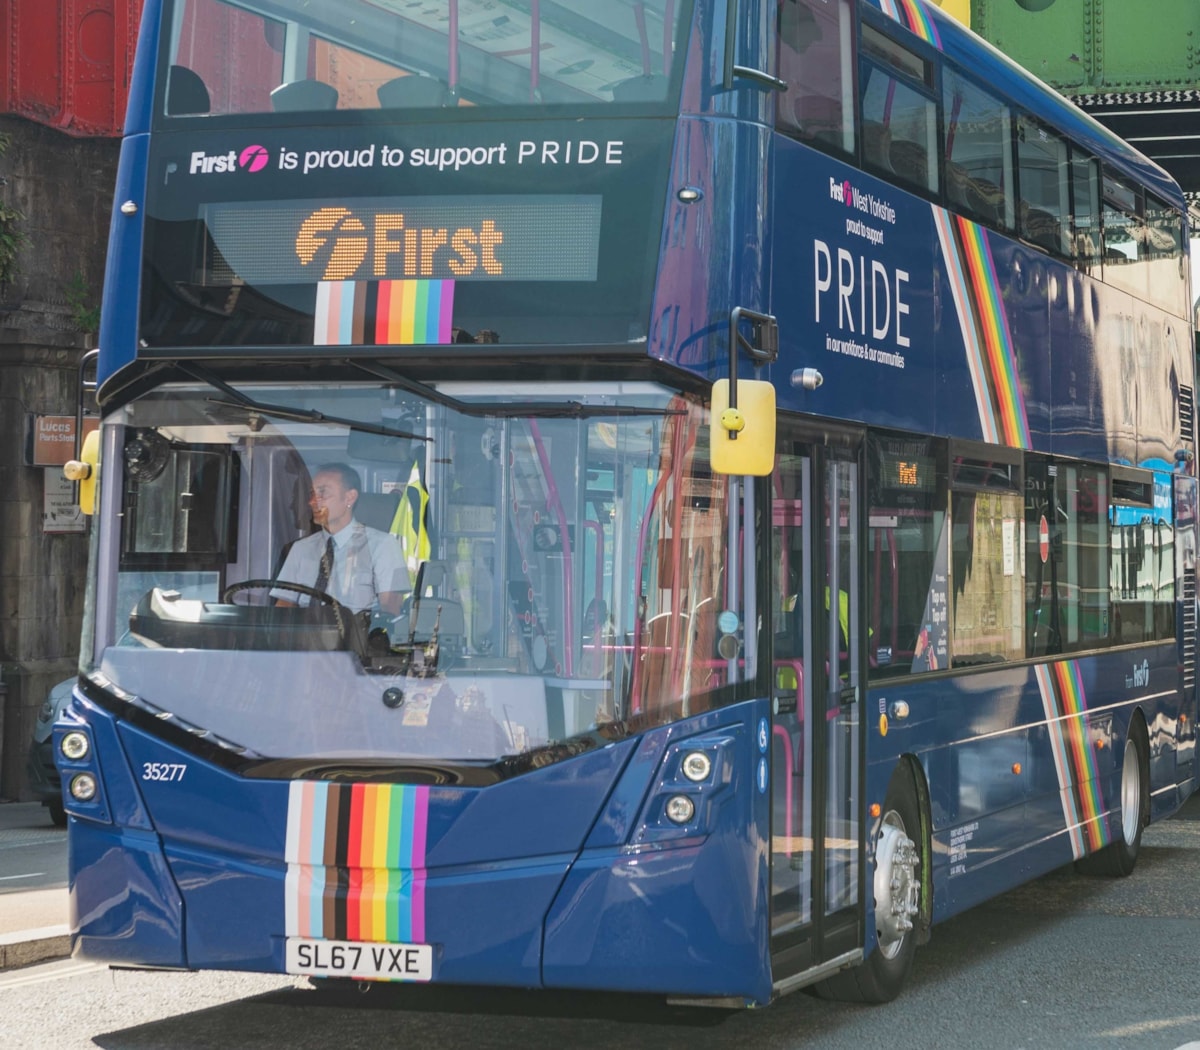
[(1098, 46), (1134, 65)]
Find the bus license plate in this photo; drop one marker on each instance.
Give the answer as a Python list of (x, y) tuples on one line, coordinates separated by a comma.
[(381, 962)]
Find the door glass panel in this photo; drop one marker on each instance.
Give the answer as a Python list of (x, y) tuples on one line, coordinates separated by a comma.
[(791, 749), (842, 685)]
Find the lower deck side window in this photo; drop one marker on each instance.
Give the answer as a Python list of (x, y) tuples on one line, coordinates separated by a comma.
[(993, 556)]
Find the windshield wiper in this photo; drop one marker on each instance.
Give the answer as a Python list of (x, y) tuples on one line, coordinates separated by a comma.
[(514, 409), (296, 415)]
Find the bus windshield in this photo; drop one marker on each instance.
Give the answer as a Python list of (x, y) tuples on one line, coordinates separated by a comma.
[(444, 573), (313, 55)]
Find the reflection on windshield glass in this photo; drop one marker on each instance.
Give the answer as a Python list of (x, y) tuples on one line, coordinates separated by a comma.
[(451, 581), (289, 56)]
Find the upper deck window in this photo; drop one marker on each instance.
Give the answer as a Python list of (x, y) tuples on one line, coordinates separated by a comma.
[(883, 47), (1044, 210), (816, 62), (1143, 244), (1085, 218), (899, 117), (978, 137), (288, 55)]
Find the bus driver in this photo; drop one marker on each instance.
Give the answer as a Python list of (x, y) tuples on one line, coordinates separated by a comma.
[(359, 566)]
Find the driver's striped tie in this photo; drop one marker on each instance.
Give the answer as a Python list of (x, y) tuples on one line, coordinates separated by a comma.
[(326, 567)]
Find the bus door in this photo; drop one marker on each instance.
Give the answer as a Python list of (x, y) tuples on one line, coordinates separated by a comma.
[(816, 581)]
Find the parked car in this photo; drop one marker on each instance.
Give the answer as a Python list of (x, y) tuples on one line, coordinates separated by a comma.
[(44, 780)]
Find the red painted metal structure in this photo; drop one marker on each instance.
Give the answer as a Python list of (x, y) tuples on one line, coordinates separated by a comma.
[(66, 63)]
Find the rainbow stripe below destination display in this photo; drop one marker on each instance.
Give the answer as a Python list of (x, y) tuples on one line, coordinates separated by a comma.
[(356, 862), (913, 16), (385, 313)]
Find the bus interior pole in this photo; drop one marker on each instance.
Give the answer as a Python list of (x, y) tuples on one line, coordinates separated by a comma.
[(535, 49)]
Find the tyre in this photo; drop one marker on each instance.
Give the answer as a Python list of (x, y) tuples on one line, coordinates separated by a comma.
[(1119, 857), (57, 814), (897, 885)]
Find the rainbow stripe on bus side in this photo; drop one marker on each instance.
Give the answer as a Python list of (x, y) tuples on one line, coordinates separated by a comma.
[(991, 355), (1064, 702), (913, 17)]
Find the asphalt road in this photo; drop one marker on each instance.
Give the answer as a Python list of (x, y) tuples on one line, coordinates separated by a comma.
[(33, 857), (1067, 963)]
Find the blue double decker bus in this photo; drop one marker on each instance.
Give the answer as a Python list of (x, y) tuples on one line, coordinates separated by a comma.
[(675, 496)]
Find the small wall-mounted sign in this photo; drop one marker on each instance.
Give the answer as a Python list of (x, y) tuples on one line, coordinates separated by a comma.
[(50, 440), (60, 508)]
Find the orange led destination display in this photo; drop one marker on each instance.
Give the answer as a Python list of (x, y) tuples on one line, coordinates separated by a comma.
[(470, 238)]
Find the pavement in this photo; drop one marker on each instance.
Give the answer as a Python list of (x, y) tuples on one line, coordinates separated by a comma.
[(33, 922)]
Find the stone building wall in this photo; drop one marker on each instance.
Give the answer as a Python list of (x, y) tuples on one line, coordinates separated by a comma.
[(62, 188)]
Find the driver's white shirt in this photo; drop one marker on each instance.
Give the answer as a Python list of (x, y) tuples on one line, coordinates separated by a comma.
[(366, 563)]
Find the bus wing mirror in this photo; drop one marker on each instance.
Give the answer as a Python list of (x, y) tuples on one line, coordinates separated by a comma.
[(742, 436), (86, 470)]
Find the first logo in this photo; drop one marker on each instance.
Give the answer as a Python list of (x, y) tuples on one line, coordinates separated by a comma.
[(253, 158)]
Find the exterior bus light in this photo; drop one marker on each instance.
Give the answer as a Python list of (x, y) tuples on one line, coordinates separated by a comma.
[(75, 746), (680, 809), (697, 766), (690, 194), (83, 787), (807, 378)]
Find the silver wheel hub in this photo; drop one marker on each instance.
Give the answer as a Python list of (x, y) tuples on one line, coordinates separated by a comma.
[(897, 891), (1131, 793)]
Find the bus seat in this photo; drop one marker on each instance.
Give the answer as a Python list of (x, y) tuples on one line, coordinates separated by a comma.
[(876, 144), (376, 510), (910, 160), (1041, 228), (302, 95), (987, 200), (417, 90), (956, 184), (649, 88), (816, 117), (186, 93)]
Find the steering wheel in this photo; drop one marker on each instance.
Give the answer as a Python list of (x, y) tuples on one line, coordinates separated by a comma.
[(282, 585)]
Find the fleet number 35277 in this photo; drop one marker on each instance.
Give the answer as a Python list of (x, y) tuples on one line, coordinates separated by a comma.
[(163, 770)]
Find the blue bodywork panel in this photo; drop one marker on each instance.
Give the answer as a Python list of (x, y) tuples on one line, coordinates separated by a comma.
[(513, 872)]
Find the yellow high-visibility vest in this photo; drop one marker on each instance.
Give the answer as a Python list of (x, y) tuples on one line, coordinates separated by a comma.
[(410, 524)]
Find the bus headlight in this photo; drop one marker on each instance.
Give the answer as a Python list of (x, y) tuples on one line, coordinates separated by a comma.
[(696, 766), (680, 809), (83, 787), (75, 745)]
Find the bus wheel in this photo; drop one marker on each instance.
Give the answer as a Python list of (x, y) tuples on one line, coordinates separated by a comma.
[(897, 885), (1118, 858)]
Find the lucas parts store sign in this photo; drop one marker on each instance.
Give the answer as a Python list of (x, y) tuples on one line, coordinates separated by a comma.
[(50, 440)]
